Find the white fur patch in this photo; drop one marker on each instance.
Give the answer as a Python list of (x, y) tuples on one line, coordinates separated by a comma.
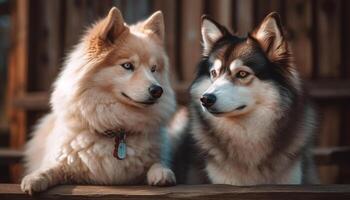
[(150, 76), (210, 30), (235, 64), (34, 182), (267, 28), (160, 176), (217, 65), (199, 87), (210, 33), (229, 96)]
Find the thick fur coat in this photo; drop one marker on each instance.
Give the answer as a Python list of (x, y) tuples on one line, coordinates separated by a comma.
[(250, 122), (104, 85)]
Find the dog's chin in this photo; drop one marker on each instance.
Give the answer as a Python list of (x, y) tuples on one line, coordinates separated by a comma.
[(141, 104), (240, 110)]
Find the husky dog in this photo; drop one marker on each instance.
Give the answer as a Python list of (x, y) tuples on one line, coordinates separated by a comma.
[(114, 83), (249, 117)]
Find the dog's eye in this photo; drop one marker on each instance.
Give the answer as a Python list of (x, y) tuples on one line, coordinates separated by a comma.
[(242, 74), (213, 73), (128, 66), (153, 68)]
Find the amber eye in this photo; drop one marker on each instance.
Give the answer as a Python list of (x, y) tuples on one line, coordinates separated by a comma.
[(242, 74), (128, 66), (213, 73), (153, 68)]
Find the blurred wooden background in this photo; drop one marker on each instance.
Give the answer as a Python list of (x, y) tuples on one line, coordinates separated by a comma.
[(37, 34)]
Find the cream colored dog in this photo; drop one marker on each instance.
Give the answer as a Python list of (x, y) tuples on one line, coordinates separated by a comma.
[(115, 80)]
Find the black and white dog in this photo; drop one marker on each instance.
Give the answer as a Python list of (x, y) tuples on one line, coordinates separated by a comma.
[(250, 122)]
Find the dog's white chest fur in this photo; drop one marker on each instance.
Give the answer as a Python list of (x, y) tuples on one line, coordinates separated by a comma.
[(93, 155), (240, 147)]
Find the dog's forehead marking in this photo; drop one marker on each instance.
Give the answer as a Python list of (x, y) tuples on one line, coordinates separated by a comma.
[(235, 63), (217, 64)]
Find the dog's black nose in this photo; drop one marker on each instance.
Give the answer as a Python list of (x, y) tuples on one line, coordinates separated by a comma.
[(208, 100), (155, 91)]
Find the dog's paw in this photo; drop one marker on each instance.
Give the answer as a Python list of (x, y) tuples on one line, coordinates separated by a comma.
[(35, 182), (158, 175)]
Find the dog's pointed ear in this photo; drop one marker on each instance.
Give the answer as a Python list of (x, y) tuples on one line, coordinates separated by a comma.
[(211, 32), (269, 34), (112, 26), (154, 26)]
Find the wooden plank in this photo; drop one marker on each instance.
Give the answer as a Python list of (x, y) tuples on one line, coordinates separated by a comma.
[(244, 18), (97, 9), (299, 25), (4, 43), (329, 137), (5, 8), (10, 156), (328, 30), (344, 171), (55, 31), (202, 192), (318, 91), (328, 61), (332, 155), (169, 9), (345, 38), (264, 7), (33, 101), (17, 76), (190, 38), (74, 22), (323, 156), (135, 10), (221, 11), (44, 43), (329, 89), (80, 14)]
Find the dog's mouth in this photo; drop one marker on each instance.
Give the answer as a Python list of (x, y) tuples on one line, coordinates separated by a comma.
[(148, 102), (218, 113)]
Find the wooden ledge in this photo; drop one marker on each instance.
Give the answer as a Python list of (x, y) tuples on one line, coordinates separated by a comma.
[(285, 192), (318, 90), (323, 156), (10, 156)]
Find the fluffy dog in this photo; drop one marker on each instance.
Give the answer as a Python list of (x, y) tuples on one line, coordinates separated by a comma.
[(109, 106), (250, 122)]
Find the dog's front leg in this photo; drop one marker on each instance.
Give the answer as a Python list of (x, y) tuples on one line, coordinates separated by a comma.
[(159, 175), (42, 179)]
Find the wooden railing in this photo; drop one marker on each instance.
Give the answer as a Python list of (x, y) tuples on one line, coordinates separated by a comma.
[(44, 30), (323, 156), (202, 192), (318, 90)]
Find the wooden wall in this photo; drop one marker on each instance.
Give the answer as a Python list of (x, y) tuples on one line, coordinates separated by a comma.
[(318, 32)]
